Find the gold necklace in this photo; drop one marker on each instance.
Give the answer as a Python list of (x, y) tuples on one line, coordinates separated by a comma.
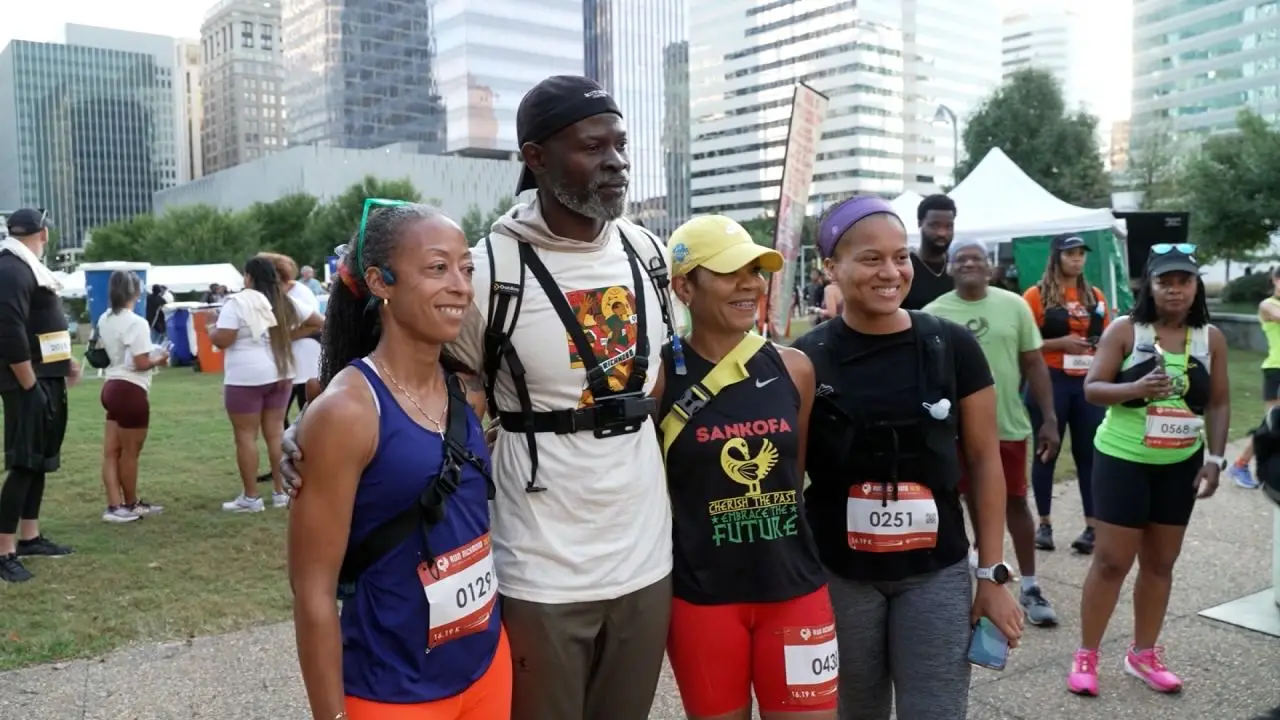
[(438, 422)]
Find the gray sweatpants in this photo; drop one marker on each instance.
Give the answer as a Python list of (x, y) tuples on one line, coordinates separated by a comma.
[(907, 640)]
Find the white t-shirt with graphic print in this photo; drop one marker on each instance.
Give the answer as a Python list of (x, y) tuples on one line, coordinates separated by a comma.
[(602, 529)]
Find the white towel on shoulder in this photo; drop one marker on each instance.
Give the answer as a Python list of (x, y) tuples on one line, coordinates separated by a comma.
[(44, 277), (255, 311)]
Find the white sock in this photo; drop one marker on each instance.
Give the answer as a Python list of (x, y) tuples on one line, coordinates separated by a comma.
[(1028, 582)]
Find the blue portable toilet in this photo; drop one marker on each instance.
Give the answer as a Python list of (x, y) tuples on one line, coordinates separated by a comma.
[(97, 278)]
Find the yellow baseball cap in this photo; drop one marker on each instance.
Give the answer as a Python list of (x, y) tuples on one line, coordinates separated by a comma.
[(718, 244)]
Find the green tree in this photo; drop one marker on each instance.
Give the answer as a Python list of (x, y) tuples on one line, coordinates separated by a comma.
[(475, 224), (1026, 117), (199, 234), (762, 229), (1155, 168), (283, 226), (1232, 190), (124, 240), (335, 222)]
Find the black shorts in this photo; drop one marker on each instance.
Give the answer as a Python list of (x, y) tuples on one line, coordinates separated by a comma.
[(1135, 495), (35, 423), (1270, 384)]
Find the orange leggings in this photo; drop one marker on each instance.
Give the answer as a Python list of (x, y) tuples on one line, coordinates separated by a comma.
[(488, 698)]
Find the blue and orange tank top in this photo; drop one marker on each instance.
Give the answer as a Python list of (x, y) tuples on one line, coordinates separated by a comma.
[(422, 623)]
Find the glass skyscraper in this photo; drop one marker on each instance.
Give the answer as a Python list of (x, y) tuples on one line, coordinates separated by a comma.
[(78, 129), (360, 74), (1197, 63), (638, 50)]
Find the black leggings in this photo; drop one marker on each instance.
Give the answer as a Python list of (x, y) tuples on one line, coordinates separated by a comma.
[(20, 498)]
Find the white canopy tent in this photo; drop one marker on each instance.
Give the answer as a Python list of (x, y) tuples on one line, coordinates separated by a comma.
[(998, 201), (178, 278), (906, 204)]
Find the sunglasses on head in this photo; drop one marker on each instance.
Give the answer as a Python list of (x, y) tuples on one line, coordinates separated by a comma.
[(1166, 248), (369, 204)]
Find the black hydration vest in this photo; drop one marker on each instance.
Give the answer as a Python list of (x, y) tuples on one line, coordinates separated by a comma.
[(862, 435), (1057, 321), (430, 508), (611, 413)]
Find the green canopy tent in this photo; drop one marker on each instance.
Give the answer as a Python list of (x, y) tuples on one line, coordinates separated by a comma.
[(1105, 267)]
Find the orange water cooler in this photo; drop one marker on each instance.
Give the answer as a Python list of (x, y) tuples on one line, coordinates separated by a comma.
[(208, 358)]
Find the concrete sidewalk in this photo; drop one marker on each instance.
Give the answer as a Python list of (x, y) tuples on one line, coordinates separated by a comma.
[(1230, 673)]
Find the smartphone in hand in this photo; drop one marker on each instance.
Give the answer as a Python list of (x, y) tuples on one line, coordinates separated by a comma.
[(988, 647)]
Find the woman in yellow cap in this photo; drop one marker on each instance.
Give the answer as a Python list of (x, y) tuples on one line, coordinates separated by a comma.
[(751, 608)]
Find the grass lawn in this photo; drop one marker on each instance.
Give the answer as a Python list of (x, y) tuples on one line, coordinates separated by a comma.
[(195, 570)]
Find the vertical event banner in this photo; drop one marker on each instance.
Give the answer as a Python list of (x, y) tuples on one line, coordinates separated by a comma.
[(808, 109)]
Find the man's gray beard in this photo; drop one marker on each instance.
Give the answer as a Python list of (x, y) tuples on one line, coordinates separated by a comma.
[(591, 206)]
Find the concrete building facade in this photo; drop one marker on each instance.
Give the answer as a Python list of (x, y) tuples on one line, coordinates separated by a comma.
[(243, 114)]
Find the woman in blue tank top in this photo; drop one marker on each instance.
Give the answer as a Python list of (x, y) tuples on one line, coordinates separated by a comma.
[(419, 635)]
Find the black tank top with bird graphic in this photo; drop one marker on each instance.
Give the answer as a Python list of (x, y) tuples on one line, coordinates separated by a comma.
[(740, 534)]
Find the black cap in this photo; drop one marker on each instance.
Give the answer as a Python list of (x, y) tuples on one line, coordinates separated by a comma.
[(553, 105), (1069, 242), (27, 221), (1173, 261)]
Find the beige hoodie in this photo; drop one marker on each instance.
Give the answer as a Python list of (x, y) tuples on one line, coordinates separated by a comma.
[(525, 223)]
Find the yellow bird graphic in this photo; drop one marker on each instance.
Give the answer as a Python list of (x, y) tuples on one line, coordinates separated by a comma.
[(742, 468)]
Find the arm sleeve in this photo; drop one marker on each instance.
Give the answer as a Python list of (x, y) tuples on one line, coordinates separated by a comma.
[(15, 307), (972, 371), (228, 317)]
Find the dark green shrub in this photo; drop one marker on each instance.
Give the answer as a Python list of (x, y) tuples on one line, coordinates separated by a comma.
[(1249, 289)]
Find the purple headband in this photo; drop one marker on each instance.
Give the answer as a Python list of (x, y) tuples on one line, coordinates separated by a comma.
[(844, 216)]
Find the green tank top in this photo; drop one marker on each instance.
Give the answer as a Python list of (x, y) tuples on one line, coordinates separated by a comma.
[(1123, 431), (1271, 331)]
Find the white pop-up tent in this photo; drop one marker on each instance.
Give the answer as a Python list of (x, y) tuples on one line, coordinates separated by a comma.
[(998, 201), (178, 278), (905, 205)]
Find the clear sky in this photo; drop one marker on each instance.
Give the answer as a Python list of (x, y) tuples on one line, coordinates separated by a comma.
[(42, 20)]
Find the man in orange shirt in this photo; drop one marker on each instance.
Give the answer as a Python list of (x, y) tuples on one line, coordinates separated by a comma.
[(1072, 315)]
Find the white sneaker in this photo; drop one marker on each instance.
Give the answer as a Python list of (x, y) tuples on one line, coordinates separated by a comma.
[(243, 504), (120, 515), (279, 500)]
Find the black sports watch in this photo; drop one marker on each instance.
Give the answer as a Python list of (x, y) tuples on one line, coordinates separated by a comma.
[(1000, 573)]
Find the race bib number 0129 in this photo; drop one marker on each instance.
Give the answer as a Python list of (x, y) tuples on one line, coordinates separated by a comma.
[(812, 661), (908, 523), (461, 592), (1171, 428)]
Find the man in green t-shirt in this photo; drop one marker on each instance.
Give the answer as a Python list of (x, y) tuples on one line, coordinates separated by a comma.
[(1005, 328)]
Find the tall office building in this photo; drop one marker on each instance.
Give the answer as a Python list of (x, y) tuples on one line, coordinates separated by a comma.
[(489, 53), (745, 59), (1197, 64), (1052, 38), (241, 83), (191, 150), (361, 73), (638, 50), (951, 63), (167, 150), (80, 133)]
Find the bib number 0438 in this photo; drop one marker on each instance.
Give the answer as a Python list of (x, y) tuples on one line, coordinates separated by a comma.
[(812, 661)]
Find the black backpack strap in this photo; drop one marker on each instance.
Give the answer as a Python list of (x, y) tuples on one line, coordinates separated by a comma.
[(660, 278), (429, 510), (937, 363)]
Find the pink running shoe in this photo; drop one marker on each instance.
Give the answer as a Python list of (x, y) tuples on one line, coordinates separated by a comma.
[(1083, 679), (1148, 666)]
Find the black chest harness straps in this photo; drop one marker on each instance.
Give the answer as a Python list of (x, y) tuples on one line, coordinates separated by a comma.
[(430, 508), (612, 412)]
